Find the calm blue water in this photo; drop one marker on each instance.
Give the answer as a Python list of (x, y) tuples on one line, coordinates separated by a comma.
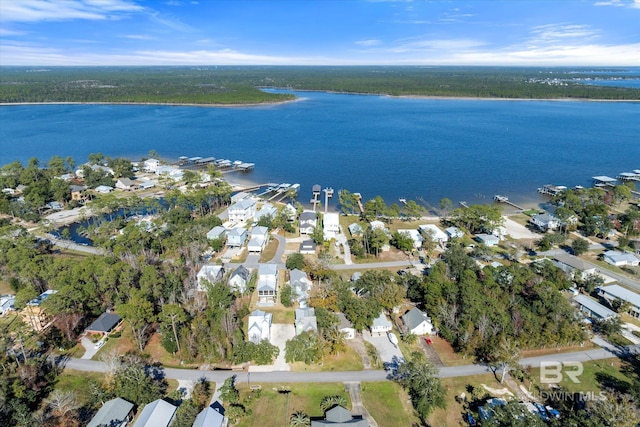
[(460, 149), (632, 83)]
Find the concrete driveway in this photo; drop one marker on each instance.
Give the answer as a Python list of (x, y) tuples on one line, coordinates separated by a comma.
[(90, 349), (280, 334), (387, 351)]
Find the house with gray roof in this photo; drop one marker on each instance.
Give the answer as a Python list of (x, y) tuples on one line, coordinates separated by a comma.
[(259, 239), (355, 229), (454, 233), (267, 283), (300, 284), (239, 279), (417, 322), (592, 309), (6, 303), (209, 273), (125, 184), (267, 210), (305, 320), (307, 247), (209, 417), (488, 239), (381, 324), (104, 324), (242, 211), (338, 416), (114, 413), (307, 222), (620, 259), (346, 327), (158, 413), (259, 326), (613, 293), (216, 233), (236, 237), (573, 267), (545, 221)]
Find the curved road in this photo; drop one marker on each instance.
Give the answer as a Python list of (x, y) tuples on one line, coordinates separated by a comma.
[(342, 376)]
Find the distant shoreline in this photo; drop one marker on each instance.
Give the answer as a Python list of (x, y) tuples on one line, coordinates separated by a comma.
[(163, 104)]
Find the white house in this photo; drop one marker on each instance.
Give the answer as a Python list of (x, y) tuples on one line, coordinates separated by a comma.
[(437, 235), (381, 324), (415, 236), (259, 326), (573, 267), (242, 211), (355, 229), (300, 284), (545, 221), (209, 273), (103, 189), (236, 237), (621, 258), (488, 239), (217, 232), (259, 239), (267, 283), (454, 233), (377, 224), (290, 211), (307, 247), (170, 171), (240, 279), (151, 165), (267, 210), (307, 222), (593, 309), (331, 225), (210, 417), (612, 293), (305, 320), (346, 327), (6, 303), (417, 322), (158, 413)]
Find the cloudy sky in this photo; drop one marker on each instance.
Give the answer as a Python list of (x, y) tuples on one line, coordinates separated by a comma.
[(324, 32)]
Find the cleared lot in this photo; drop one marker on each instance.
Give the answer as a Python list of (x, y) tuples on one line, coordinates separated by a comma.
[(388, 352)]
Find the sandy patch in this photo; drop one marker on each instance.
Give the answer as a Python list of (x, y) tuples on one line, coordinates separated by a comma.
[(518, 231), (497, 391)]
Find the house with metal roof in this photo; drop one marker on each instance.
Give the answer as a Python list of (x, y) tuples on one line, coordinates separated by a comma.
[(573, 266), (307, 247), (305, 320), (114, 413), (381, 324), (104, 324), (267, 283), (488, 239), (300, 284), (267, 210), (620, 259), (158, 413), (209, 273), (6, 303), (242, 211), (355, 229), (435, 232), (217, 232), (307, 222), (331, 225), (545, 221), (417, 322), (259, 326), (236, 237), (239, 279), (454, 233), (414, 235), (338, 416), (614, 293), (593, 309), (209, 417), (259, 239)]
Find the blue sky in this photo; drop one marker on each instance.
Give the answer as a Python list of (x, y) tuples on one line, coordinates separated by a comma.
[(320, 32)]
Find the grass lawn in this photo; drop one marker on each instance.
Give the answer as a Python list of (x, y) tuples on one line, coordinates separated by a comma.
[(5, 288), (388, 404), (122, 344), (446, 353), (595, 375), (270, 250), (346, 361), (545, 351), (273, 409), (72, 380), (158, 353)]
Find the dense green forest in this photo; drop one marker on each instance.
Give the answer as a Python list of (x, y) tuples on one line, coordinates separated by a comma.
[(240, 85)]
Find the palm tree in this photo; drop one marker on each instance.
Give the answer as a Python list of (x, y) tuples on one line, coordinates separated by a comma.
[(329, 402), (299, 419), (335, 339)]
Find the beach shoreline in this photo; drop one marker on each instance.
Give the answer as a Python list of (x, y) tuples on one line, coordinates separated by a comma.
[(161, 104)]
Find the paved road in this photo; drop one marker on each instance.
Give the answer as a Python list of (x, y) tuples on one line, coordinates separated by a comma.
[(359, 376), (68, 244)]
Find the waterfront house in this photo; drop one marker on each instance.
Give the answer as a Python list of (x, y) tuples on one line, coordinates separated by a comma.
[(378, 224), (454, 233), (488, 239), (125, 184), (545, 222), (305, 320), (592, 309), (436, 234), (355, 229), (340, 417), (210, 417), (104, 324), (414, 235), (267, 283), (240, 279), (259, 239), (267, 210), (417, 322), (346, 327), (209, 273), (170, 172), (6, 304), (616, 293), (78, 193), (307, 247), (300, 285), (259, 326), (290, 211), (620, 259), (242, 211), (331, 225), (102, 168), (151, 165), (114, 413), (158, 413), (239, 196), (217, 233), (381, 324), (307, 222), (236, 237)]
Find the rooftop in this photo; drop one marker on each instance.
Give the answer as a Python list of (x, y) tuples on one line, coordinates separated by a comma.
[(619, 292), (595, 307)]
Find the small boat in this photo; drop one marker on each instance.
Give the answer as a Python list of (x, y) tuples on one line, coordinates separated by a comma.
[(403, 200), (499, 198), (393, 338)]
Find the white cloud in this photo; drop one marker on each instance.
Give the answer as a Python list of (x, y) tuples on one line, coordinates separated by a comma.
[(428, 44), (60, 10), (371, 42), (8, 32), (634, 4), (138, 37), (562, 33)]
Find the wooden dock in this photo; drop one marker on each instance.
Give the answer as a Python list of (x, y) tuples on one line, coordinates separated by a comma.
[(504, 199)]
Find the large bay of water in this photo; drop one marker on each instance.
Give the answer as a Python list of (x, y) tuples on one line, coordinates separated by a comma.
[(376, 145)]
